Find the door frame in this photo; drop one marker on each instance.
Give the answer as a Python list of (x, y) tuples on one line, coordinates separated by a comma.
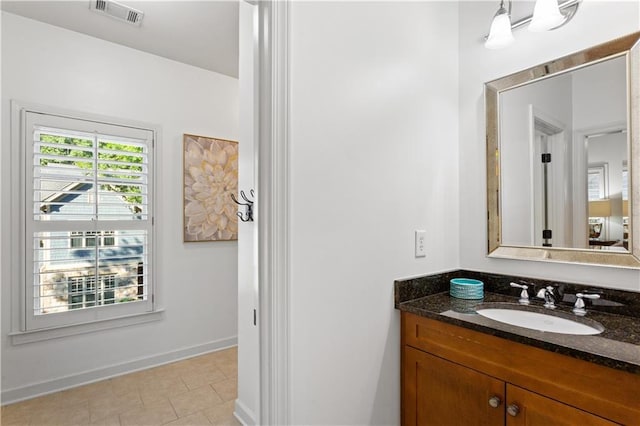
[(561, 208), (580, 170), (273, 211)]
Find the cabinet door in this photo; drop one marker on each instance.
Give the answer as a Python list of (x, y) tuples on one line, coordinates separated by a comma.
[(441, 393), (537, 410)]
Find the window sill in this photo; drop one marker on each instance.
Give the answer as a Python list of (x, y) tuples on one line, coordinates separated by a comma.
[(22, 337)]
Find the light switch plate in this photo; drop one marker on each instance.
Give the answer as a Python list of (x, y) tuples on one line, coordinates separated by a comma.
[(421, 248)]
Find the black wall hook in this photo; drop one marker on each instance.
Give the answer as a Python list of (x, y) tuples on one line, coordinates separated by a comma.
[(248, 214)]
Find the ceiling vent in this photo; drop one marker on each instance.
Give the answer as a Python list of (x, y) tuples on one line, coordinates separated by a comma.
[(118, 11)]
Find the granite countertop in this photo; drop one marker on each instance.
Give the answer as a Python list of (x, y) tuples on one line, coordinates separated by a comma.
[(618, 346)]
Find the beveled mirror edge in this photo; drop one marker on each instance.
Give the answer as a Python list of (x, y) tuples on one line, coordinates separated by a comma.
[(634, 145), (624, 45), (593, 54), (493, 169), (569, 256)]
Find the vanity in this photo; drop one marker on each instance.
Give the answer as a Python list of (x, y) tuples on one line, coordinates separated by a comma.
[(562, 186), (459, 367)]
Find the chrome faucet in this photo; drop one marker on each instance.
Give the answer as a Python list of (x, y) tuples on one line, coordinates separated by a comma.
[(549, 297)]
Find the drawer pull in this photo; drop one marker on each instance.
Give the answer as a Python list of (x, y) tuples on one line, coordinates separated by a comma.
[(495, 401), (513, 410)]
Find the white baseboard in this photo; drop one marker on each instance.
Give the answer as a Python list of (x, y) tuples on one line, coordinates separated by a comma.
[(244, 415), (86, 377)]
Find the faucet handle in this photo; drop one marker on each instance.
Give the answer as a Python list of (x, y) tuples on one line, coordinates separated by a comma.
[(519, 285), (579, 307), (524, 294)]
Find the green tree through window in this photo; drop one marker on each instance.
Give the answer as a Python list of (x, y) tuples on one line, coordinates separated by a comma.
[(112, 161)]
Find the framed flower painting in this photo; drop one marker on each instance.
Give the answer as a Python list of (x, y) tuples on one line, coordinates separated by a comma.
[(210, 177)]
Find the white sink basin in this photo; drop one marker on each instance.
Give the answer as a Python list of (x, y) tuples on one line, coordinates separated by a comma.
[(539, 321)]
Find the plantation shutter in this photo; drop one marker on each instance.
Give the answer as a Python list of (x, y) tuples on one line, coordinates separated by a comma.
[(89, 191)]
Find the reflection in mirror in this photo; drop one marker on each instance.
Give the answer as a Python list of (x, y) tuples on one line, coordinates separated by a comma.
[(559, 141), (556, 135), (606, 158)]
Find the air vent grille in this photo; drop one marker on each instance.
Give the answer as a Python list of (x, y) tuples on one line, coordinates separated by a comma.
[(132, 16), (118, 11)]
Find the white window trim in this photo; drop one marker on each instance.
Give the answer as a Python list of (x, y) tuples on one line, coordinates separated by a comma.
[(22, 337), (15, 244)]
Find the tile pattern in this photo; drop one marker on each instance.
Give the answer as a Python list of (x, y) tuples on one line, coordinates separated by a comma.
[(194, 392)]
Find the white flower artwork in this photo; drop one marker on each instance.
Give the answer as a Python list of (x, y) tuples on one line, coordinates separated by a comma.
[(210, 177)]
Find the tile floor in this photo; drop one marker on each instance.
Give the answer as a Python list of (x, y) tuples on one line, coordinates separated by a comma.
[(197, 391)]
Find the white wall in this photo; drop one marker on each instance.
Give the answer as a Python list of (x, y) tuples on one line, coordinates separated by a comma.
[(47, 65), (600, 95), (374, 156), (248, 401), (595, 22)]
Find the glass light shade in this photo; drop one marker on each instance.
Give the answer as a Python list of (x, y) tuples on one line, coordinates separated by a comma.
[(500, 34), (600, 208), (546, 16)]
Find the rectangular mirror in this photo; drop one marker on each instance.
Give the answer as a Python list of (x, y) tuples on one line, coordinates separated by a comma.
[(562, 138)]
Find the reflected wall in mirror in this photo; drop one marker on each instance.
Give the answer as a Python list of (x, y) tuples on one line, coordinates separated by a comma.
[(560, 139)]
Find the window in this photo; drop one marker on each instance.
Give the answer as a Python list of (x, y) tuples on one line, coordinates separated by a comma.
[(88, 190), (80, 239), (597, 182), (83, 291)]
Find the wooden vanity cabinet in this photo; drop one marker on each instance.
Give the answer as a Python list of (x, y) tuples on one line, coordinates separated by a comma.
[(455, 376), (443, 393)]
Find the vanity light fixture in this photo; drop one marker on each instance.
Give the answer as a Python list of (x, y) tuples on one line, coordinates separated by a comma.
[(547, 15), (500, 33)]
